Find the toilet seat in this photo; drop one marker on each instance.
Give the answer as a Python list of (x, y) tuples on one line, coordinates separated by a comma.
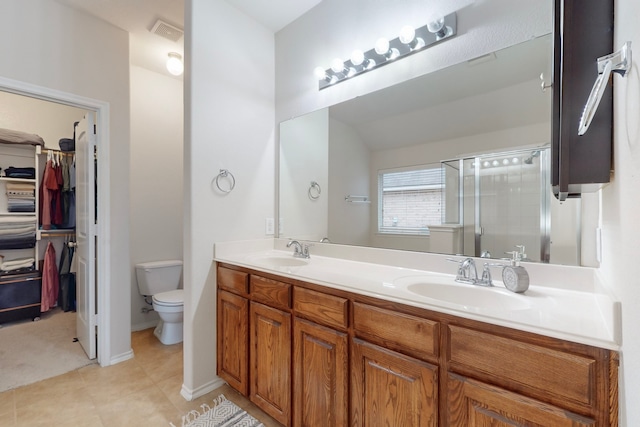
[(173, 298)]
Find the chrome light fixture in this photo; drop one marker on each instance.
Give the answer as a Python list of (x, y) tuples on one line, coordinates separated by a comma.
[(386, 51)]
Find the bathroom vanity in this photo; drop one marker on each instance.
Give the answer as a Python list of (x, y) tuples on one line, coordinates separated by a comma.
[(335, 342)]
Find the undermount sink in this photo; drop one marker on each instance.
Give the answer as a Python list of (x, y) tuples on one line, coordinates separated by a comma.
[(281, 261), (470, 297)]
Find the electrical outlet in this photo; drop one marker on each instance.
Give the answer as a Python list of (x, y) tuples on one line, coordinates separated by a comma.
[(269, 226)]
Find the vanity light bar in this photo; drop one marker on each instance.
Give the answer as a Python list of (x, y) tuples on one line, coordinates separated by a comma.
[(387, 51)]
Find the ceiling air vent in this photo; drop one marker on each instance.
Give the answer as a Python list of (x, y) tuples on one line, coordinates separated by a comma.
[(167, 31)]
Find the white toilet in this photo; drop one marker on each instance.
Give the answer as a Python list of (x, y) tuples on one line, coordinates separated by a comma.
[(160, 279)]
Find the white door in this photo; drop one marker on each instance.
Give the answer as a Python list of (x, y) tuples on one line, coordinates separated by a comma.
[(86, 236)]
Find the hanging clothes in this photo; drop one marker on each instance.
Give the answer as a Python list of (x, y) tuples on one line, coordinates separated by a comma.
[(67, 294), (45, 196), (50, 280)]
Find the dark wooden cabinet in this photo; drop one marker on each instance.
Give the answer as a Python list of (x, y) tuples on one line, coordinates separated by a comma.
[(270, 361), (321, 376), (391, 389), (583, 32)]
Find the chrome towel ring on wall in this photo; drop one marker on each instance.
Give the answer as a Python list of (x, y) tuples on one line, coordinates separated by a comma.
[(314, 191), (224, 173)]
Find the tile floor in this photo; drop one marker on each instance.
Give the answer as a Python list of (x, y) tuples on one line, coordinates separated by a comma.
[(143, 391)]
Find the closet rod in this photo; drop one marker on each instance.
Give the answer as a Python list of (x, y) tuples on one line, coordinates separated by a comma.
[(64, 153), (54, 234)]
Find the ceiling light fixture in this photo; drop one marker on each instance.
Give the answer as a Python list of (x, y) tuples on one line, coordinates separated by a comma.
[(174, 64), (386, 51)]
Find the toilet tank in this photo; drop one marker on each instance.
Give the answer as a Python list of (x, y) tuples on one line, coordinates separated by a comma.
[(158, 276)]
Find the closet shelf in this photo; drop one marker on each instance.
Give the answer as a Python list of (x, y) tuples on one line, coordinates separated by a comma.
[(17, 214), (9, 179)]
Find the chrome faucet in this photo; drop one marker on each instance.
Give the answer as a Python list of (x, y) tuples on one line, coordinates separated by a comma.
[(467, 273), (299, 250)]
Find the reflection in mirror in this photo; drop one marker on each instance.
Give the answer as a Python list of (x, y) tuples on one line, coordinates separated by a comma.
[(455, 162)]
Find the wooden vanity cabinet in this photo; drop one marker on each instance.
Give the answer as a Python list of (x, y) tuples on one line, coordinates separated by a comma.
[(473, 403), (323, 357), (233, 328), (391, 389), (270, 361)]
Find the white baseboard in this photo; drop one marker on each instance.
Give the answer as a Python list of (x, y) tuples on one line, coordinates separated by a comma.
[(121, 357), (202, 390)]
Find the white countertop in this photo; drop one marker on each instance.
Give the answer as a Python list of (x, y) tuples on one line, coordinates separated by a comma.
[(568, 303)]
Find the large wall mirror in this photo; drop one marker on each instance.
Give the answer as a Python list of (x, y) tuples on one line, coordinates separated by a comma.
[(455, 161)]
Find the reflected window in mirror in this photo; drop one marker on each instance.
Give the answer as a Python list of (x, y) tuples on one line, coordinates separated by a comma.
[(410, 200)]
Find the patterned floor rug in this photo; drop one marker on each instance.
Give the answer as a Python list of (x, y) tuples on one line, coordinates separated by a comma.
[(223, 413)]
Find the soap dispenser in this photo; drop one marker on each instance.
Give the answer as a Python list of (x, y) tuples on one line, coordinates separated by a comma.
[(514, 276)]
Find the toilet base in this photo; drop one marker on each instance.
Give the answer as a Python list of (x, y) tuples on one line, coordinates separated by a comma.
[(168, 333)]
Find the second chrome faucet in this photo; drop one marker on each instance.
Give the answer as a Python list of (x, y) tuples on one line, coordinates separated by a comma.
[(299, 250)]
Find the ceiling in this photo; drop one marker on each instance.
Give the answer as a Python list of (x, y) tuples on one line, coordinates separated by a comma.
[(149, 50)]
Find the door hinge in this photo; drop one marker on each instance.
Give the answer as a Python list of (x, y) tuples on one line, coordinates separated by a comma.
[(95, 319)]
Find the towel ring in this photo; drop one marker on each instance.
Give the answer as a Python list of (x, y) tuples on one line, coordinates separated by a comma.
[(224, 173), (314, 191)]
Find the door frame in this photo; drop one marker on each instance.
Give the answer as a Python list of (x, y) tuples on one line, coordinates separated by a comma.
[(103, 229)]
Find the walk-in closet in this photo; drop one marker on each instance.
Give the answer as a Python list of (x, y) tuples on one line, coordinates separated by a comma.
[(37, 239)]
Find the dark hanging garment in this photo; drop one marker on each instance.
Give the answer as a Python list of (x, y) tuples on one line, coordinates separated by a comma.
[(67, 295)]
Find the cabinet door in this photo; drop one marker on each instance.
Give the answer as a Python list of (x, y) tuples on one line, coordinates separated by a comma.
[(390, 389), (320, 387), (472, 403), (233, 340), (270, 366)]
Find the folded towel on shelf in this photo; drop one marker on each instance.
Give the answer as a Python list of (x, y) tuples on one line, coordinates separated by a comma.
[(9, 136), (26, 173), (17, 264), (16, 221), (20, 186), (18, 230), (18, 243)]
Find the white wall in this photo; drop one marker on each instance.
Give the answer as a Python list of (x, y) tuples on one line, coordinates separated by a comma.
[(156, 173), (621, 210), (304, 159), (51, 45), (349, 160), (229, 123)]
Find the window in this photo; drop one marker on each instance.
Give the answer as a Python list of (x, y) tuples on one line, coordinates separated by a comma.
[(410, 200)]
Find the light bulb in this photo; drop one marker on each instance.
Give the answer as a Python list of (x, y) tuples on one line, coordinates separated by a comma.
[(438, 28), (337, 65), (174, 64), (320, 73), (382, 46), (407, 34), (357, 57), (505, 162), (495, 163), (515, 160)]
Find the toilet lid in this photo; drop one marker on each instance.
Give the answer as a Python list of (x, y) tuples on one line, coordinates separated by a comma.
[(169, 298)]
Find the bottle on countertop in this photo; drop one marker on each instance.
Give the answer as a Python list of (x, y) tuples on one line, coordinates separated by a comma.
[(514, 276)]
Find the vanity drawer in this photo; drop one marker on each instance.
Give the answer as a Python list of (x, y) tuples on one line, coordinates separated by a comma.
[(233, 281), (398, 331), (322, 308), (526, 368), (270, 292)]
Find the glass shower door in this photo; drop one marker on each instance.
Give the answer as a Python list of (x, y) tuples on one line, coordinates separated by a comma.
[(511, 204)]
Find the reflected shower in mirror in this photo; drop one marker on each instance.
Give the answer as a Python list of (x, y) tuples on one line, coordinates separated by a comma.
[(403, 167)]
